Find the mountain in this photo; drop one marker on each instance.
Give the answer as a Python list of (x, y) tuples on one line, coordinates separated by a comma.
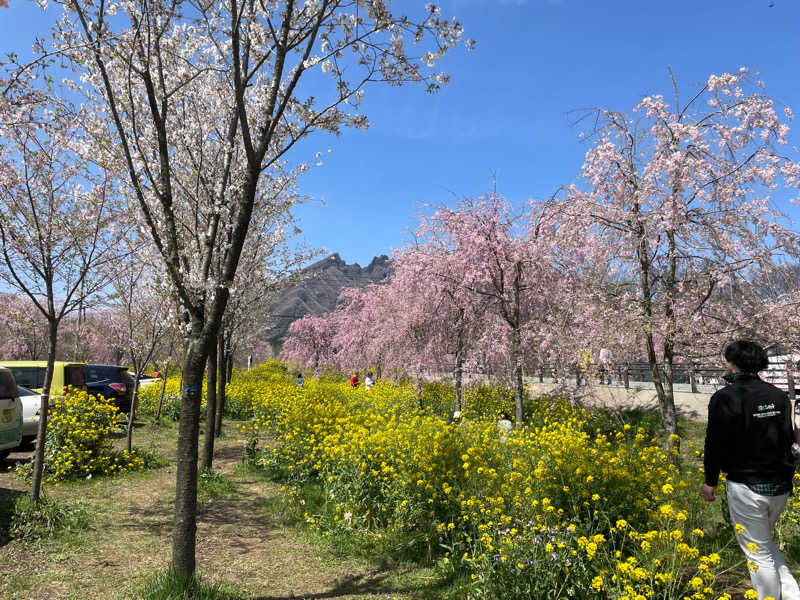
[(318, 290)]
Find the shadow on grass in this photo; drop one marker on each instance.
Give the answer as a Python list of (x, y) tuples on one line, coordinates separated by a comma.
[(228, 453), (155, 518), (138, 425), (366, 584), (8, 498), (155, 515)]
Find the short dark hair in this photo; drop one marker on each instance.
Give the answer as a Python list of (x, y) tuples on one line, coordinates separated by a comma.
[(747, 355), (505, 415)]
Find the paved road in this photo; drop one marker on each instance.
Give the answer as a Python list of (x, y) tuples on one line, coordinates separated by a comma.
[(692, 406)]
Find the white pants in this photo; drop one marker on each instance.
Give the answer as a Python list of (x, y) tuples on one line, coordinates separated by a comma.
[(758, 515)]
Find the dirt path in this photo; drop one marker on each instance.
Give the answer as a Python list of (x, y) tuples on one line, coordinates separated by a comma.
[(242, 539)]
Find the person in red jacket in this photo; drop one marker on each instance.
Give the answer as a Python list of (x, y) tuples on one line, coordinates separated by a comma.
[(354, 381), (750, 436)]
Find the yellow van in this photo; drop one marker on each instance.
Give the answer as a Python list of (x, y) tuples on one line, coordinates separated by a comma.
[(30, 374)]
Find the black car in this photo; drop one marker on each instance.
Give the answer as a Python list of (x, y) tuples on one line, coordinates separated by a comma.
[(112, 382)]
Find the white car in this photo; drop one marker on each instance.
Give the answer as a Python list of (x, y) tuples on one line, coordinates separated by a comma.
[(31, 405), (10, 413), (148, 381)]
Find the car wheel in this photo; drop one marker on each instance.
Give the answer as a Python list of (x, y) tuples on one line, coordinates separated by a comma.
[(28, 443)]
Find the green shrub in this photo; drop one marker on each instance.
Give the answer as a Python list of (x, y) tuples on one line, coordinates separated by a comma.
[(47, 518), (79, 441)]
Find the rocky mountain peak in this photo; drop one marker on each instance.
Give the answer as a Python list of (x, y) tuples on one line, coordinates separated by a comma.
[(318, 291)]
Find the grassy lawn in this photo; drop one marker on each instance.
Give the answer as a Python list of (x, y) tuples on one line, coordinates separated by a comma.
[(246, 542)]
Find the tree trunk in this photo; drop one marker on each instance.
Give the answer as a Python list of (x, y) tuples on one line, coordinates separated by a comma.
[(658, 378), (229, 375), (669, 414), (132, 413), (458, 375), (41, 434), (185, 519), (211, 408), (161, 397), (666, 400), (419, 390), (459, 366), (519, 390), (516, 346), (222, 361)]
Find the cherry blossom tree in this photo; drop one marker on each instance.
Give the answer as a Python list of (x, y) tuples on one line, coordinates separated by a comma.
[(57, 227), (24, 329), (310, 342), (679, 203), (201, 102), (478, 280), (100, 328), (506, 261), (141, 317), (438, 317)]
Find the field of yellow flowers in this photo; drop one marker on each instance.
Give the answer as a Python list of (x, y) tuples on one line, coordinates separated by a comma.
[(566, 507)]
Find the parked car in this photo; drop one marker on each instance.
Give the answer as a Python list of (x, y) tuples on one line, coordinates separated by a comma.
[(31, 406), (148, 381), (10, 414), (111, 382), (30, 374)]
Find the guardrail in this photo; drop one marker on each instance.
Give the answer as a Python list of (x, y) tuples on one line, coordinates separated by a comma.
[(685, 377)]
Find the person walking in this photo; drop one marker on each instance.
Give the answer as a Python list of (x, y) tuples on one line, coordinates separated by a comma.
[(369, 381), (749, 436)]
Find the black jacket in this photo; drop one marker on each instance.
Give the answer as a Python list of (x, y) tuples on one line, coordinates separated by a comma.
[(749, 433)]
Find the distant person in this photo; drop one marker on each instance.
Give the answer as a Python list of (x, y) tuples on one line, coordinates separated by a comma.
[(605, 366), (455, 419), (369, 381), (749, 436), (504, 425), (299, 381), (354, 381)]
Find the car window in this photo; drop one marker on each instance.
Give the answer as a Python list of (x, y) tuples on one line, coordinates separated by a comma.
[(75, 376), (23, 391), (8, 387), (30, 377), (95, 373)]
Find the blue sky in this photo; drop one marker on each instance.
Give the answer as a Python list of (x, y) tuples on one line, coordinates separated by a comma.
[(505, 112)]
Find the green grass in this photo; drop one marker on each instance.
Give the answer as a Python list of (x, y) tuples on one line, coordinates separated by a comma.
[(212, 485), (166, 585), (64, 519)]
